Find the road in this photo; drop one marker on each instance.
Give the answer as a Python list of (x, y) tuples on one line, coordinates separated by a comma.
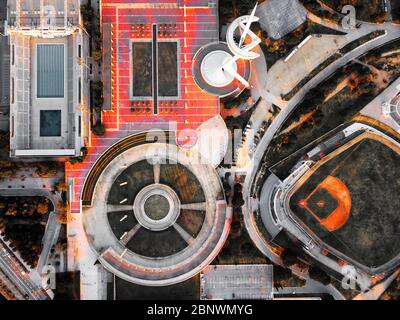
[(49, 239), (10, 266), (52, 227)]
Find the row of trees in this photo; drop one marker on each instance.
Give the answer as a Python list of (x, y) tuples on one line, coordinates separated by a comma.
[(371, 11), (26, 239), (91, 22), (7, 169), (96, 88), (24, 207), (290, 258), (44, 169), (231, 9), (314, 7), (22, 222)]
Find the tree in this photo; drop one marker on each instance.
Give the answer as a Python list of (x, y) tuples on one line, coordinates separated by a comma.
[(289, 258), (7, 169), (62, 209), (61, 186), (84, 151), (319, 275), (99, 129), (42, 208), (281, 274), (63, 218), (97, 55), (46, 169), (73, 160)]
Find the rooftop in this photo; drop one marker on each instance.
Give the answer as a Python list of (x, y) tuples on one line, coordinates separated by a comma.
[(53, 14), (237, 282), (280, 17)]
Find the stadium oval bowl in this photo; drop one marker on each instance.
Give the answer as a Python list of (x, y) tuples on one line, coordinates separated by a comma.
[(180, 237)]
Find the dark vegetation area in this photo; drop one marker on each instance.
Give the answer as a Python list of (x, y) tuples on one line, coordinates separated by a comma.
[(91, 22), (238, 248), (395, 4), (235, 103), (366, 10), (22, 222), (314, 7), (44, 169), (346, 49), (385, 58), (229, 10), (358, 42), (4, 144), (96, 90), (393, 292), (68, 286), (275, 50)]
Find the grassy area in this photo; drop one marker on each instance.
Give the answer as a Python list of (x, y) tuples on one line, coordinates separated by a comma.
[(368, 170)]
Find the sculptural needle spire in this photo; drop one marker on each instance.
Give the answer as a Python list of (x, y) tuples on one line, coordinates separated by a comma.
[(248, 25)]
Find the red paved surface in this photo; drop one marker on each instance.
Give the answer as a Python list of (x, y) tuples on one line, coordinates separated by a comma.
[(193, 28)]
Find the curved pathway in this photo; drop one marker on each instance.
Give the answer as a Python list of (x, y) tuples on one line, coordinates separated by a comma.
[(251, 204)]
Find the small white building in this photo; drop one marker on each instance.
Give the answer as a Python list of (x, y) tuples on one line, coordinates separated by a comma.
[(49, 87)]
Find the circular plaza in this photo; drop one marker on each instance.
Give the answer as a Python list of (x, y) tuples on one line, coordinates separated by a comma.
[(214, 68), (158, 214)]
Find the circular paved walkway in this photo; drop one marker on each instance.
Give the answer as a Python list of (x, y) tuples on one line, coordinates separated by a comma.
[(199, 250)]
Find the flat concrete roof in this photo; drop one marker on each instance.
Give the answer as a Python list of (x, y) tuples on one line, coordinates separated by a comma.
[(237, 282)]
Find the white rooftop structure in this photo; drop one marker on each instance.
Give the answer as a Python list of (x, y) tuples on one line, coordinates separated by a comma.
[(43, 16), (280, 17), (49, 112)]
